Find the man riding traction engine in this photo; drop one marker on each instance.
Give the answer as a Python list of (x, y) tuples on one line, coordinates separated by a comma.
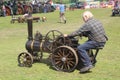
[(63, 50)]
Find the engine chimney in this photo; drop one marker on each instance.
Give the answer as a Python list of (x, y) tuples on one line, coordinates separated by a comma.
[(30, 29)]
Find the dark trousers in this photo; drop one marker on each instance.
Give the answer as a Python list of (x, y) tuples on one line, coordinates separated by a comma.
[(83, 53)]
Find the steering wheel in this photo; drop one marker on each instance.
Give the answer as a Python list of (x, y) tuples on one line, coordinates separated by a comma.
[(53, 39)]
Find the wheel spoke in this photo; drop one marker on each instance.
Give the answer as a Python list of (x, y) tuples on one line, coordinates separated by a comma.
[(71, 63), (63, 52), (56, 56), (57, 62), (53, 35), (68, 66), (57, 59), (21, 60), (65, 66), (67, 55), (70, 59), (59, 54)]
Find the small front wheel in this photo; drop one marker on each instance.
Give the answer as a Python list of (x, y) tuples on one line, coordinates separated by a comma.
[(25, 59)]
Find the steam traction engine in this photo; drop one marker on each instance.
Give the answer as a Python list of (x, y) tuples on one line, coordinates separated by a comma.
[(63, 50)]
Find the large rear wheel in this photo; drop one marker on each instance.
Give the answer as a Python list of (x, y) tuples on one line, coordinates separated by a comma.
[(64, 58)]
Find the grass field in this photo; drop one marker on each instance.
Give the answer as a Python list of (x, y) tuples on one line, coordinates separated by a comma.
[(14, 36)]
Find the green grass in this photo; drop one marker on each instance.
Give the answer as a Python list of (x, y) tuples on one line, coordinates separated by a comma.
[(14, 36)]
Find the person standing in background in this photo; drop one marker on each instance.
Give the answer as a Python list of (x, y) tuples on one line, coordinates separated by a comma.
[(62, 13), (4, 10)]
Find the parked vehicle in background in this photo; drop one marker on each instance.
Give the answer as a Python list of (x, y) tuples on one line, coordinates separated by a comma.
[(80, 5), (18, 7), (72, 6), (116, 9)]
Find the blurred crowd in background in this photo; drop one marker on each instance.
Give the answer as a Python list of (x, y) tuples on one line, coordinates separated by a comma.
[(16, 7)]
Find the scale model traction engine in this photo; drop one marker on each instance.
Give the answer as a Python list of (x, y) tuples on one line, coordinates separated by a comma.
[(64, 56)]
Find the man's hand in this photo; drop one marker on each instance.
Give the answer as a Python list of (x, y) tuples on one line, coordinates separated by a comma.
[(65, 35)]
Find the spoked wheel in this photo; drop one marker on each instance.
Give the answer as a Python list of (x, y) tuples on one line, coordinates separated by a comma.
[(64, 58), (20, 10), (8, 10), (25, 59), (53, 39), (28, 8)]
